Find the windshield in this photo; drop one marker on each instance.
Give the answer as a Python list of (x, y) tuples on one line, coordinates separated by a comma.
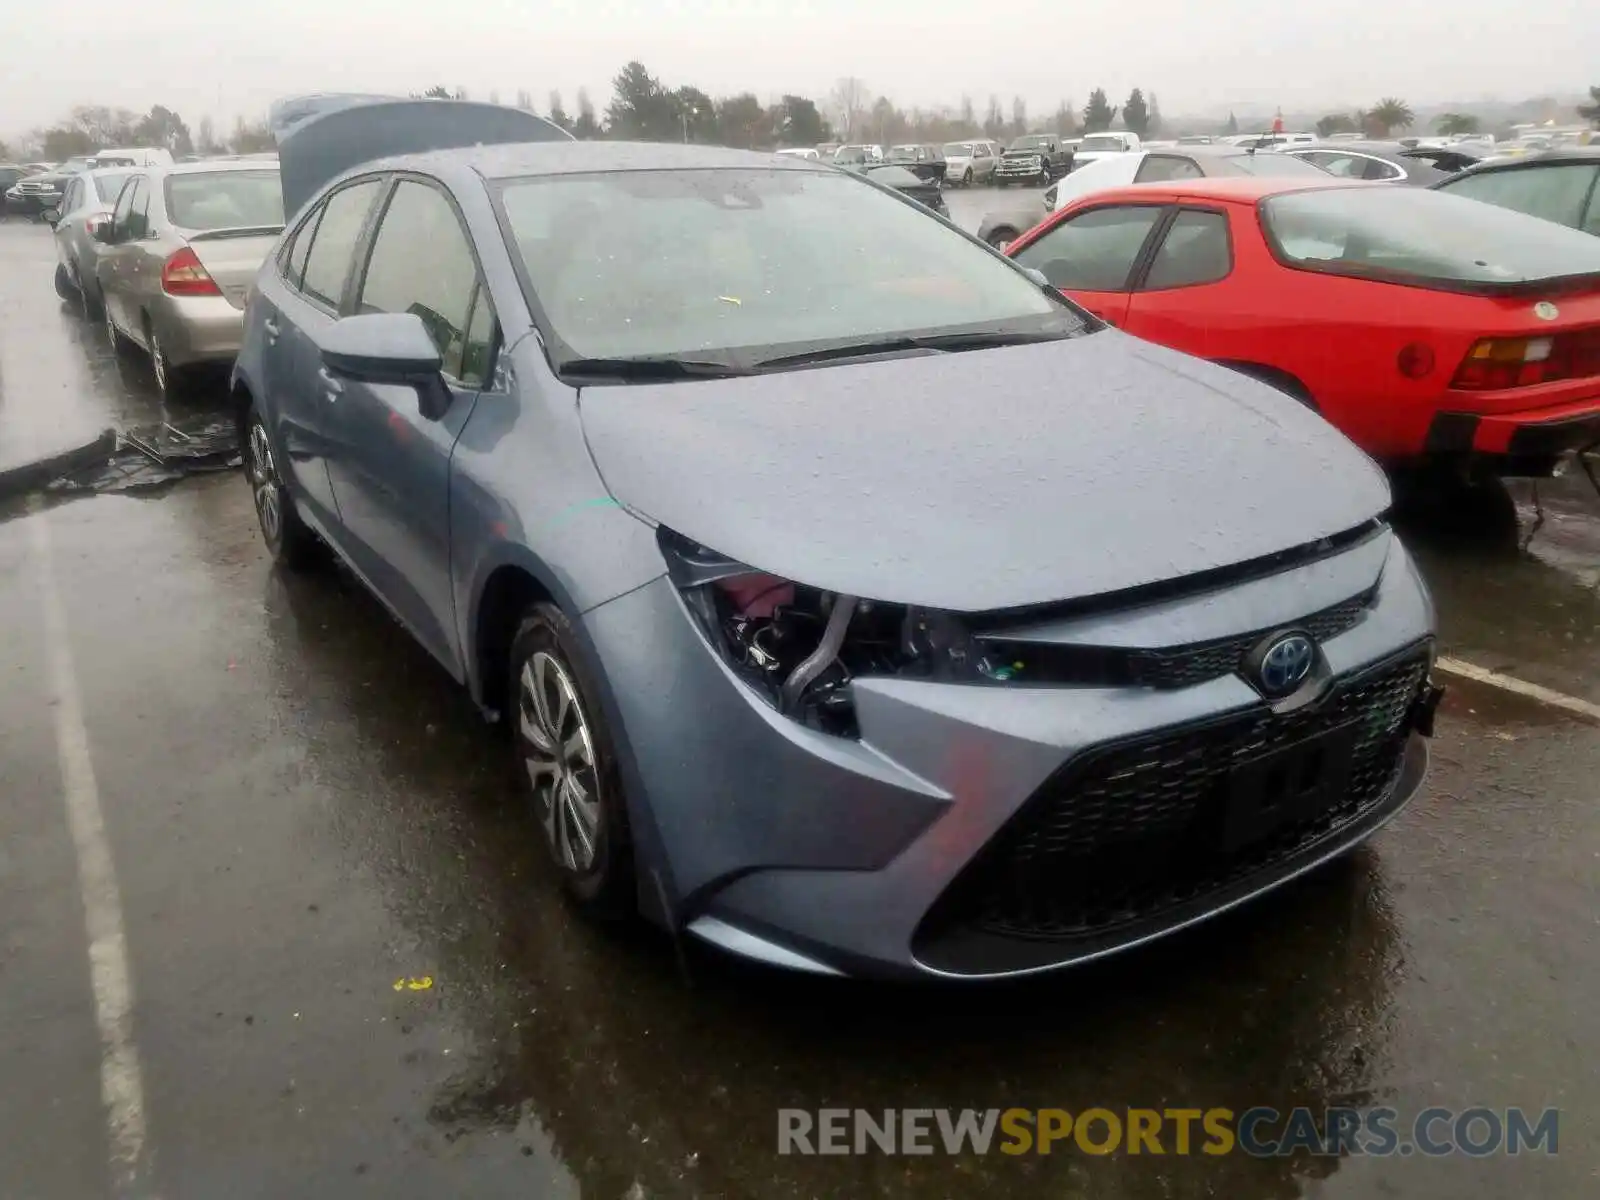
[(958, 150), (1409, 235), (746, 263), (225, 200), (1030, 143), (895, 177), (850, 154), (73, 165), (108, 185), (906, 153), (1277, 166), (1103, 143)]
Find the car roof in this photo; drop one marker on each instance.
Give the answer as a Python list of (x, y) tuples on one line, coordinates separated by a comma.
[(520, 159), (1241, 189)]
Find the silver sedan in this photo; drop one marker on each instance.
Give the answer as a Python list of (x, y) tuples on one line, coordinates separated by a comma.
[(178, 257)]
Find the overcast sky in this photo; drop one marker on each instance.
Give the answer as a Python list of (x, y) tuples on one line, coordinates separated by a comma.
[(224, 57)]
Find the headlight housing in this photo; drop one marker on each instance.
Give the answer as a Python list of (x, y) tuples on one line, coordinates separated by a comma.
[(800, 648)]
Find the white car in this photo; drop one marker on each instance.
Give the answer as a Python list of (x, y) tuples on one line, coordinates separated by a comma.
[(1098, 146), (805, 152)]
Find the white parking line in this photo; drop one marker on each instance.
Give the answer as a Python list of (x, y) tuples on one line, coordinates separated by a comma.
[(121, 1084), (1572, 704)]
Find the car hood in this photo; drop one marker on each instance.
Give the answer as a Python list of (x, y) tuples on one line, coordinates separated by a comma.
[(986, 479)]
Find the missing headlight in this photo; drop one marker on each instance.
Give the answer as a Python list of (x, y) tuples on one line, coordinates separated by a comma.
[(800, 648)]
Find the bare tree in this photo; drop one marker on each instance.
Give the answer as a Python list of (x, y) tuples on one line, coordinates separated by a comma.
[(851, 101), (525, 99)]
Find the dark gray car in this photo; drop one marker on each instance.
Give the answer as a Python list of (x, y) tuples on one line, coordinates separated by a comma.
[(1559, 185), (857, 606)]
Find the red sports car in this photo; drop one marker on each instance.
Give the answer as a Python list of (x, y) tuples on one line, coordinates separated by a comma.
[(1424, 325)]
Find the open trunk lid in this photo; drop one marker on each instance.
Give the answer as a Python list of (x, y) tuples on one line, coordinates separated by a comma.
[(320, 137)]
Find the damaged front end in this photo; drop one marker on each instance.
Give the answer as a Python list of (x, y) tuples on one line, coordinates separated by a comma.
[(799, 647)]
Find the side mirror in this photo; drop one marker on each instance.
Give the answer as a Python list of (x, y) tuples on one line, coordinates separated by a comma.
[(392, 348), (50, 214)]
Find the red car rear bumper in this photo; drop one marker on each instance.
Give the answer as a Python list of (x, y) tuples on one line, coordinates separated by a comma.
[(1540, 433)]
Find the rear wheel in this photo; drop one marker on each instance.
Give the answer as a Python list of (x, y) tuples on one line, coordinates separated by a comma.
[(169, 379), (64, 287), (290, 542), (568, 767), (1002, 237)]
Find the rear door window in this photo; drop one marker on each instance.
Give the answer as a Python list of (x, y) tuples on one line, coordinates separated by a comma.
[(1194, 251), (327, 264), (1556, 193), (1096, 250), (422, 263)]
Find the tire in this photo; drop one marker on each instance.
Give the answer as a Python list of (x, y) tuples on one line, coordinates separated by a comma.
[(119, 344), (966, 178), (289, 540), (171, 381), (90, 301), (561, 741), (64, 287), (1000, 238)]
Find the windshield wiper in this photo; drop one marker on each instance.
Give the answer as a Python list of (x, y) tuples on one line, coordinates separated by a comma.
[(647, 370), (948, 342)]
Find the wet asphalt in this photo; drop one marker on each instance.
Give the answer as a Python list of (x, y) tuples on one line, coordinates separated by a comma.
[(303, 812)]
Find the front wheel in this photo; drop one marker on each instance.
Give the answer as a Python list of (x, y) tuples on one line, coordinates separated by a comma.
[(567, 765), (1002, 238), (966, 178), (290, 542)]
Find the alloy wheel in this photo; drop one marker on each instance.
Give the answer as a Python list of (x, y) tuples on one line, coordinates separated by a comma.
[(558, 754), (264, 484), (158, 363)]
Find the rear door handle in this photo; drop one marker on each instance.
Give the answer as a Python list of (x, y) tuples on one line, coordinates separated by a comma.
[(332, 389)]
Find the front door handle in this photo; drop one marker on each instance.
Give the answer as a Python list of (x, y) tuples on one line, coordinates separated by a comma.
[(271, 328), (332, 389)]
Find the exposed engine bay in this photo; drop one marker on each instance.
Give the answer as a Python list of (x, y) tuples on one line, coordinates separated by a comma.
[(801, 647)]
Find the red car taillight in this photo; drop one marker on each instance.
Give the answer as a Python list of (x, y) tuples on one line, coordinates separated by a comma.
[(1494, 363), (182, 275), (95, 222)]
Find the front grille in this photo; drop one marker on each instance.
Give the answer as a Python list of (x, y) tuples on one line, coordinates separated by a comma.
[(1170, 667), (1123, 835), (1020, 165), (1189, 665)]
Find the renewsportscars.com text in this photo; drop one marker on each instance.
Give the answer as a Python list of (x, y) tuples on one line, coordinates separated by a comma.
[(1259, 1132)]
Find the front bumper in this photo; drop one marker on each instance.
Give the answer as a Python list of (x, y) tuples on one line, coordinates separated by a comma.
[(1025, 170), (853, 856), (198, 329)]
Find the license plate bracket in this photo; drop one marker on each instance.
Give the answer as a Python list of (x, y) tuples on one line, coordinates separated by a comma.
[(1287, 785)]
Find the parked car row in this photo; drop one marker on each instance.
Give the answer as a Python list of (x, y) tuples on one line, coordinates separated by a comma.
[(165, 254), (32, 191)]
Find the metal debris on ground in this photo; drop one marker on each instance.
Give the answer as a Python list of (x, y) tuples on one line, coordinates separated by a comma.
[(151, 456)]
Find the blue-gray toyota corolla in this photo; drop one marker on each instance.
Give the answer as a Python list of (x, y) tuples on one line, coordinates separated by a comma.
[(853, 602)]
